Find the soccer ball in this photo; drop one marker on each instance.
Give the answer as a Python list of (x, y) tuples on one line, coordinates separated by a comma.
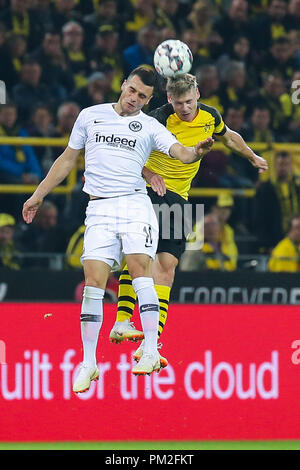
[(172, 57)]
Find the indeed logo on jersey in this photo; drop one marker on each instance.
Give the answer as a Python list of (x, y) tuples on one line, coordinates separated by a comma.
[(116, 141)]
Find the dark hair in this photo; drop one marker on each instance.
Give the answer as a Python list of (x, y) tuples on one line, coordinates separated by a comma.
[(280, 40), (147, 75), (282, 154)]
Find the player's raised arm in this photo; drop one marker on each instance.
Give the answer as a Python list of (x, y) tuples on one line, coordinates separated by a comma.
[(57, 173), (236, 143), (191, 154)]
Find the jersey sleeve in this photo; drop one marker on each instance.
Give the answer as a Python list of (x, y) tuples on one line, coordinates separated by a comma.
[(220, 127), (162, 138), (78, 135)]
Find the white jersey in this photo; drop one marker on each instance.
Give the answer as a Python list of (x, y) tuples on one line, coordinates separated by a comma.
[(117, 148)]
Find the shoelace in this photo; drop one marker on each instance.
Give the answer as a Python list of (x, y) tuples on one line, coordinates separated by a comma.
[(146, 356), (83, 365)]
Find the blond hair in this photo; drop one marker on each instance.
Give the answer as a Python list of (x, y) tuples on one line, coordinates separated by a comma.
[(181, 84)]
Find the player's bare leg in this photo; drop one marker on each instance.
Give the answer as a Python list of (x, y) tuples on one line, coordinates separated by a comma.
[(96, 276)]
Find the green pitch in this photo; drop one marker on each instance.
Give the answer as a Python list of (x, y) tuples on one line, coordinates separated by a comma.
[(166, 445)]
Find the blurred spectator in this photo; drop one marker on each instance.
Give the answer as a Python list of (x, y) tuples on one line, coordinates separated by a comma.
[(167, 15), (268, 26), (294, 39), (167, 33), (106, 53), (239, 173), (75, 248), (209, 86), (142, 14), (41, 14), (285, 257), (12, 55), (191, 38), (234, 23), (66, 116), (257, 7), (30, 92), (240, 51), (275, 97), (41, 124), (294, 14), (18, 164), (44, 235), (209, 253), (276, 202), (235, 118), (259, 129), (18, 19), (200, 20), (76, 55), (8, 250), (93, 92), (222, 209), (234, 87), (55, 73), (279, 59), (106, 14), (142, 52), (63, 11)]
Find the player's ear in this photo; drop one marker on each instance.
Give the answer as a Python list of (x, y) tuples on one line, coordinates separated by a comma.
[(123, 85), (197, 93), (149, 99), (169, 99)]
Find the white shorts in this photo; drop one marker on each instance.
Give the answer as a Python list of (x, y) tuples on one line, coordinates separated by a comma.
[(120, 226)]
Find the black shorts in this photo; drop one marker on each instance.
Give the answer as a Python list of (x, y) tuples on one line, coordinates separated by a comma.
[(171, 222)]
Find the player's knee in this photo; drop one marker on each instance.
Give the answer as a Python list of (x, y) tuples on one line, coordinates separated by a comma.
[(139, 266), (93, 283), (164, 272)]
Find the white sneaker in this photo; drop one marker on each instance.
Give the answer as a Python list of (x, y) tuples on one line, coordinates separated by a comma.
[(139, 352), (83, 380), (125, 330), (147, 364)]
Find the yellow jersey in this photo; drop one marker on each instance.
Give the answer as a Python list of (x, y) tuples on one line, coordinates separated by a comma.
[(285, 257), (177, 175)]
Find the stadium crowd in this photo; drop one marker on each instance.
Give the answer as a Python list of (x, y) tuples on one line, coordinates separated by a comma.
[(59, 56)]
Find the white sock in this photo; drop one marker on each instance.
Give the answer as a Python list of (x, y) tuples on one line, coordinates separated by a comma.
[(91, 321), (149, 311)]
